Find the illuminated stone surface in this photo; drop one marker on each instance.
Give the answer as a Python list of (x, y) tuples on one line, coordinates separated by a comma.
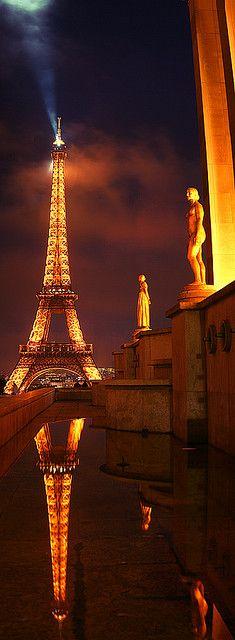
[(16, 412), (193, 293), (139, 404), (212, 25), (203, 374), (188, 376), (146, 357), (220, 369)]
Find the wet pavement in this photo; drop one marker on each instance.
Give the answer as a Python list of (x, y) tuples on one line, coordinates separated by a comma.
[(151, 541)]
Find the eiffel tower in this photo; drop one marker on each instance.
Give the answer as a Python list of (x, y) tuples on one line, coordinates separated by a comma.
[(57, 465), (39, 355)]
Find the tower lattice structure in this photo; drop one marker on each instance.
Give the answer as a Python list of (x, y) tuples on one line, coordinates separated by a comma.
[(57, 296), (57, 464)]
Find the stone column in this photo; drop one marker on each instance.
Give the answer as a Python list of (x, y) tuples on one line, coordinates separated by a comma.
[(213, 40), (188, 376), (230, 18), (129, 360)]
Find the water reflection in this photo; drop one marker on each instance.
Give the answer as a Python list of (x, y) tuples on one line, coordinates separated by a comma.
[(146, 511), (190, 494), (153, 555), (199, 609), (57, 464)]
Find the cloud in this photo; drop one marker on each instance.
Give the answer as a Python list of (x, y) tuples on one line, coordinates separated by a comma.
[(117, 192), (125, 209), (124, 193)]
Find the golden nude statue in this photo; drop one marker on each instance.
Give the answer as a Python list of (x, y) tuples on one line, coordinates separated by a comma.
[(143, 316), (196, 234)]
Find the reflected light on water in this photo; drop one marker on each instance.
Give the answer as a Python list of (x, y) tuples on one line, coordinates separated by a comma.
[(57, 464), (146, 511), (178, 568), (199, 609)]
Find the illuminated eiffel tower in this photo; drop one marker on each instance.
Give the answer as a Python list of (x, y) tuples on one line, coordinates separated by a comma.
[(57, 465), (39, 355)]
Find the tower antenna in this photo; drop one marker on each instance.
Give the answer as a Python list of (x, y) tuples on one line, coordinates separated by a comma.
[(59, 130)]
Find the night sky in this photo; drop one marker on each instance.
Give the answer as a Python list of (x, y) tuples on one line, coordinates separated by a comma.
[(124, 86)]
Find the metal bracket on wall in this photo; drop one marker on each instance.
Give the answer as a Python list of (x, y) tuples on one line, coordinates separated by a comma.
[(225, 335), (211, 338)]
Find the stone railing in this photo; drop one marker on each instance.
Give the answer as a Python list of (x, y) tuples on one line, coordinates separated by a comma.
[(54, 349)]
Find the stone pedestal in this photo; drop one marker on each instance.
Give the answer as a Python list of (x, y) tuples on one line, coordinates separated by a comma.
[(193, 293), (129, 360), (134, 405), (138, 331), (98, 393), (147, 357), (188, 375)]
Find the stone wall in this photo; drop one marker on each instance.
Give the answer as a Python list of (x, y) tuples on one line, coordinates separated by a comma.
[(118, 363), (203, 369), (212, 27), (153, 355), (202, 374), (17, 411), (146, 357), (220, 367), (134, 405), (188, 376)]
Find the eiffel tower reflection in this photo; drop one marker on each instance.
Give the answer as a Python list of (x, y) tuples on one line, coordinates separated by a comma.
[(57, 464)]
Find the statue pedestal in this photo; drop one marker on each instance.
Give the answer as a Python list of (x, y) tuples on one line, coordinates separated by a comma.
[(188, 364), (193, 293), (139, 330)]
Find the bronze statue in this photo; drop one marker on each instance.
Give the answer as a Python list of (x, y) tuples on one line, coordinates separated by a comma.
[(143, 316), (197, 235)]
